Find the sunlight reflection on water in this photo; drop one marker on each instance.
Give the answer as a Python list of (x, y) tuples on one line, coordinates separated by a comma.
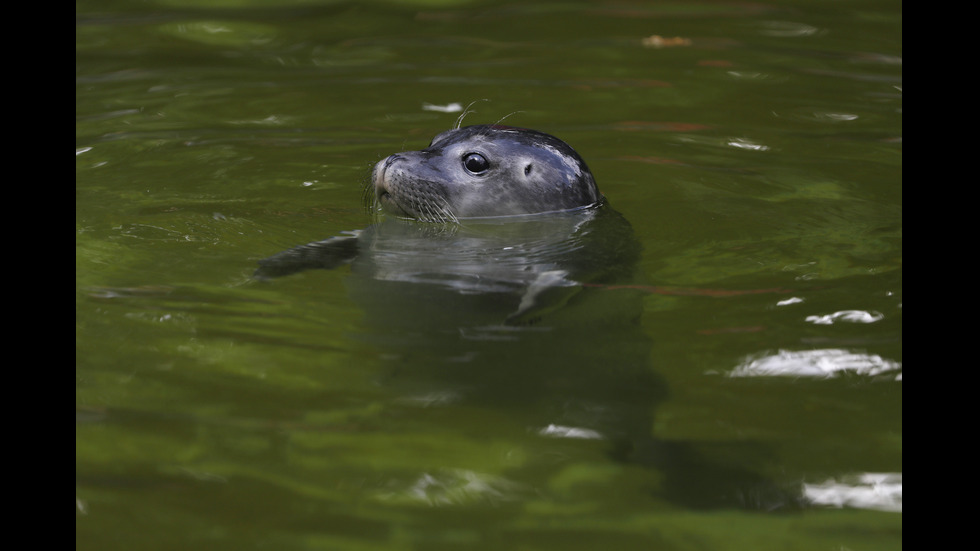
[(878, 491), (826, 362), (454, 487), (853, 316)]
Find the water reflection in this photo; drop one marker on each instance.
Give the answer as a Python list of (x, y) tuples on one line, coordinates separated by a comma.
[(820, 363), (533, 318), (451, 487), (878, 491), (557, 431), (852, 316)]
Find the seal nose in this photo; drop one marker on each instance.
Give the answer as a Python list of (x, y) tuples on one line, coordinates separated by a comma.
[(380, 175)]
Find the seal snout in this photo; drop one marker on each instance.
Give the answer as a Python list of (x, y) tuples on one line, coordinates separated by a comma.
[(387, 181), (380, 175)]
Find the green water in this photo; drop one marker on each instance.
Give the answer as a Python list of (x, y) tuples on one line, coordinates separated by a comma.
[(754, 147)]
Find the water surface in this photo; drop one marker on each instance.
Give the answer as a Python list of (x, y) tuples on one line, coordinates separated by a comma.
[(753, 148)]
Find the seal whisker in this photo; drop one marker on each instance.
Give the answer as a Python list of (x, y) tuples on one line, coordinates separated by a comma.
[(426, 212), (501, 119), (368, 198), (447, 213), (467, 111), (424, 208), (434, 215), (434, 209)]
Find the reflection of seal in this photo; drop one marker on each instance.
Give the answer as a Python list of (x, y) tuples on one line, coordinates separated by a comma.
[(484, 170)]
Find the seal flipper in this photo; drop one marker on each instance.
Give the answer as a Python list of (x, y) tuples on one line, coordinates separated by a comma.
[(532, 307), (324, 255)]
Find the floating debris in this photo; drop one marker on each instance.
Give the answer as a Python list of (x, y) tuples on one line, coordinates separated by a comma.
[(657, 41)]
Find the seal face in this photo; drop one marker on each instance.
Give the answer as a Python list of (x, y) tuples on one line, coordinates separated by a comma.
[(484, 171)]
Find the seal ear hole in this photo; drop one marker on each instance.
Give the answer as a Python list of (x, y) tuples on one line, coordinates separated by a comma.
[(527, 170), (475, 163)]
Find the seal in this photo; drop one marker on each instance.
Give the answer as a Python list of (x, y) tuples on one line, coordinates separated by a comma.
[(502, 280), (484, 171)]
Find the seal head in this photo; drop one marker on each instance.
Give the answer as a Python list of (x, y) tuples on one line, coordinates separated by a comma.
[(484, 171)]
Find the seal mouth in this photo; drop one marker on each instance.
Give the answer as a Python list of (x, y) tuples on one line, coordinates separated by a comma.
[(388, 203)]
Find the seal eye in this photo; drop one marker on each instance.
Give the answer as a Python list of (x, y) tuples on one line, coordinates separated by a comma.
[(475, 163)]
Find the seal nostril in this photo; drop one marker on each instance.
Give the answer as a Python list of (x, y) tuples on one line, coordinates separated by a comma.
[(391, 160), (527, 170)]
